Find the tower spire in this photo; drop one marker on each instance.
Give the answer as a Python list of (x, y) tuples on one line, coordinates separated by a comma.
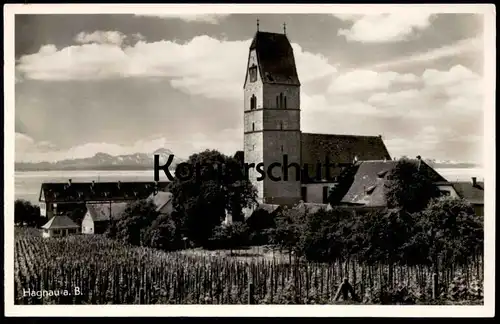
[(284, 28), (257, 24)]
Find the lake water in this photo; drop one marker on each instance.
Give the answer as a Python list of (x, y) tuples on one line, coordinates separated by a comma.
[(27, 183)]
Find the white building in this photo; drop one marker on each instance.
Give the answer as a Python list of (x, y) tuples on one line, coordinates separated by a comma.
[(59, 226)]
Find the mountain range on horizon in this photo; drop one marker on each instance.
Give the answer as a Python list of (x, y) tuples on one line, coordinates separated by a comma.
[(144, 161), (103, 161)]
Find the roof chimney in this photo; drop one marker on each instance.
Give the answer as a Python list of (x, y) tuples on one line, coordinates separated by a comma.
[(474, 181)]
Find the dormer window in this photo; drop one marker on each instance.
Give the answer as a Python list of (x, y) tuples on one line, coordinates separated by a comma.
[(253, 73)]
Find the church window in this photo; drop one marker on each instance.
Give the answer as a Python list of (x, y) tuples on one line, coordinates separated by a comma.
[(281, 148), (253, 102), (253, 73), (284, 102), (277, 101), (281, 100), (281, 125), (253, 126)]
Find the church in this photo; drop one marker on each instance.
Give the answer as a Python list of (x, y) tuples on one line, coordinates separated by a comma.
[(272, 128)]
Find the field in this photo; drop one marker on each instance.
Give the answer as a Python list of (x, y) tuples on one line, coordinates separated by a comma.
[(107, 272)]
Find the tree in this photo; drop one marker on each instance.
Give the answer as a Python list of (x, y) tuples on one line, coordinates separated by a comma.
[(449, 231), (201, 201), (163, 234), (410, 188), (133, 224), (26, 213), (290, 224)]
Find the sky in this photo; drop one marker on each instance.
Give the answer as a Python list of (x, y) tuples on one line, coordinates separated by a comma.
[(123, 83)]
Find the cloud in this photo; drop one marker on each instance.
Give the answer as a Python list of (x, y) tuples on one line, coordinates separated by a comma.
[(205, 18), (365, 80), (470, 45), (382, 28), (101, 37), (203, 66), (437, 113)]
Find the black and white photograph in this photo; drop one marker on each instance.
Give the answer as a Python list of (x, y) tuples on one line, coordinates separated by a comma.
[(250, 155)]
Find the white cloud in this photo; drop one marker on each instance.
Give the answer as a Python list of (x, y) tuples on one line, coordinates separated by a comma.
[(461, 47), (365, 80), (203, 66), (389, 27), (206, 18), (101, 37)]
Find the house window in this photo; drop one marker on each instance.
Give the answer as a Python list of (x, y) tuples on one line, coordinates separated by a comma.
[(444, 192), (303, 193), (253, 102), (253, 73), (325, 195)]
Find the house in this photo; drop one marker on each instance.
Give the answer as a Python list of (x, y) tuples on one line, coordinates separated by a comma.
[(98, 216), (59, 226), (162, 201), (367, 190), (473, 192), (59, 198)]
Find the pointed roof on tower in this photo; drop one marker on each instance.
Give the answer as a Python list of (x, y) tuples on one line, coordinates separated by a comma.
[(275, 58)]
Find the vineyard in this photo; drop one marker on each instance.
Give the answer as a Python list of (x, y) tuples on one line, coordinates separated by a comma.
[(108, 272)]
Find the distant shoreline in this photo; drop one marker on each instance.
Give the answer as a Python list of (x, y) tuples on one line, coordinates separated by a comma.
[(143, 168)]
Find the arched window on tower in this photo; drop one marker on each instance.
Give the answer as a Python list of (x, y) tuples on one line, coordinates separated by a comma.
[(277, 102), (253, 102), (281, 100), (253, 127), (284, 102), (281, 125)]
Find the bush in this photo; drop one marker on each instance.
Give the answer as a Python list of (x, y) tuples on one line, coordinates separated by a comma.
[(229, 236)]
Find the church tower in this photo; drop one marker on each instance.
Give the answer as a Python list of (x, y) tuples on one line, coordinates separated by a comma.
[(272, 117)]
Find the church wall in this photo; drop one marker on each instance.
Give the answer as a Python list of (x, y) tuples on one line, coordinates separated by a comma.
[(282, 192), (254, 154), (292, 94), (282, 119)]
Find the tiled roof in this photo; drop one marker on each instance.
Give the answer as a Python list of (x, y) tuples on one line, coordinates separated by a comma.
[(60, 221), (367, 188), (161, 200), (340, 149), (98, 191), (276, 59), (473, 194), (104, 212)]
